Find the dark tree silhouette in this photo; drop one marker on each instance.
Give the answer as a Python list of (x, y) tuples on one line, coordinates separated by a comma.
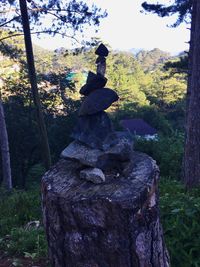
[(33, 81), (4, 145), (188, 9), (65, 16), (191, 161)]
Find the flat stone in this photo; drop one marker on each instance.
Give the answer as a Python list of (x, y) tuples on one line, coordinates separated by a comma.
[(79, 152), (86, 156), (93, 175), (102, 50), (108, 160), (98, 100)]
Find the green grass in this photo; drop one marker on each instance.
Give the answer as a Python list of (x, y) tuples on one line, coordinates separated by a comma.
[(20, 242), (180, 214), (17, 209)]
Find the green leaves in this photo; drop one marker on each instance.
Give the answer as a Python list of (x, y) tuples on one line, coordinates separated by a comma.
[(126, 77), (167, 151), (180, 7), (53, 17), (180, 213)]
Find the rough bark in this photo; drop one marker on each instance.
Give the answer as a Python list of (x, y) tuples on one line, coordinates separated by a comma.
[(4, 144), (114, 224), (191, 163), (33, 81)]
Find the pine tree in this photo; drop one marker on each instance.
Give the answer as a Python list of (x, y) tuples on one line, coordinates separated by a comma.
[(188, 9), (71, 15)]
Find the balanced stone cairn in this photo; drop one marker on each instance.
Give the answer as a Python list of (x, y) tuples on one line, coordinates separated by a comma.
[(100, 203), (97, 147)]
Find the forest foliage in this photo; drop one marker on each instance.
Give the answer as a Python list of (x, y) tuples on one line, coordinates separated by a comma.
[(148, 89), (141, 93)]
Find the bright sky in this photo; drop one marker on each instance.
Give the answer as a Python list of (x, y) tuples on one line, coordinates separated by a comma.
[(126, 27)]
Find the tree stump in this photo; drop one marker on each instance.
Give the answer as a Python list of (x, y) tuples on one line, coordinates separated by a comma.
[(114, 224)]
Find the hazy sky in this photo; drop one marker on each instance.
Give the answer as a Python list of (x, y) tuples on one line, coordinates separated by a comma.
[(126, 27)]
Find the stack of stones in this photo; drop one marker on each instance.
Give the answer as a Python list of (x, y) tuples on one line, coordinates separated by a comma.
[(97, 148)]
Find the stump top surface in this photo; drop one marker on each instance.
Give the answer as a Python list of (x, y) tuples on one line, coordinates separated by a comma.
[(62, 180)]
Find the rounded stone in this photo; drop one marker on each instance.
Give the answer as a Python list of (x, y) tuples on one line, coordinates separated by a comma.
[(94, 81), (94, 175)]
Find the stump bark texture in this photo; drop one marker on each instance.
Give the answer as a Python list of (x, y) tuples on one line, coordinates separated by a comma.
[(114, 224)]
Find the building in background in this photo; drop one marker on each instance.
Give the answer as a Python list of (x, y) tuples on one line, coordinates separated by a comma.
[(139, 128)]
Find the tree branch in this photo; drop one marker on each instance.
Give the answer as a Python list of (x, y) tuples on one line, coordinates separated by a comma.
[(10, 36), (2, 25), (42, 9), (57, 16), (39, 32)]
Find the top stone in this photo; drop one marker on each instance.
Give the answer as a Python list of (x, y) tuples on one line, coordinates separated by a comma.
[(102, 50)]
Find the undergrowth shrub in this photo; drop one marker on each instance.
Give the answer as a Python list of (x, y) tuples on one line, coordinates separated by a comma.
[(180, 215), (29, 243), (166, 150), (17, 209)]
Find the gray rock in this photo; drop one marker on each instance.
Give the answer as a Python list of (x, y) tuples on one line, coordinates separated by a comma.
[(97, 101), (109, 159), (84, 154), (90, 157), (118, 152), (101, 65), (115, 137), (122, 150), (93, 130), (94, 175)]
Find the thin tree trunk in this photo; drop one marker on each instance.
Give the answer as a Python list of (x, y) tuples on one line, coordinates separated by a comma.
[(33, 81), (191, 162), (7, 178)]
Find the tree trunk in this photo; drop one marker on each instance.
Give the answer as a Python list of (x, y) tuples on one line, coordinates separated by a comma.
[(33, 81), (191, 162), (4, 144), (114, 224)]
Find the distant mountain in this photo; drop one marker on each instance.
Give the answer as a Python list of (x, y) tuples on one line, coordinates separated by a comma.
[(152, 59), (135, 51)]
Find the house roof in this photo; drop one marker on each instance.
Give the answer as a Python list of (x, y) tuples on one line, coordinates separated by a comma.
[(138, 127)]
